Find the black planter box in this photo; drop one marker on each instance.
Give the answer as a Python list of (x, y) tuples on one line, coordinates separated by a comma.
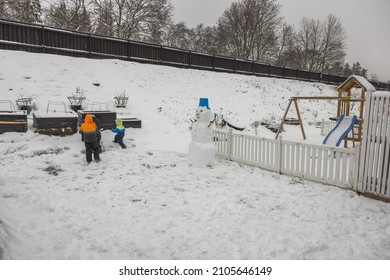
[(132, 122), (75, 108), (106, 118), (53, 125), (11, 121)]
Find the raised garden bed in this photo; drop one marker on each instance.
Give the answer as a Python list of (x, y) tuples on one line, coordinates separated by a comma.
[(13, 121), (132, 122), (55, 124), (106, 118)]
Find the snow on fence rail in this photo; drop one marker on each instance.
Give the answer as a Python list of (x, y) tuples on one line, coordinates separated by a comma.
[(319, 163)]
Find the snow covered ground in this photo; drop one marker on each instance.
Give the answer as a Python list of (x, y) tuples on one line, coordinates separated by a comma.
[(146, 202)]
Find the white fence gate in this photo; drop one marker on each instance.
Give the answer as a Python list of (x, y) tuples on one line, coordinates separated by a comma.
[(375, 154), (325, 164)]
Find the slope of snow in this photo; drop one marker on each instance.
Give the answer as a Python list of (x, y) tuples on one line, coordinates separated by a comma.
[(145, 202)]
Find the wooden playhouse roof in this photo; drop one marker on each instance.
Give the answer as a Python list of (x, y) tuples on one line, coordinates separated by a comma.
[(356, 81)]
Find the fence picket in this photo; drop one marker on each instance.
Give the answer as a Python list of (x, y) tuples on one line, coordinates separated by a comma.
[(372, 138), (385, 187), (313, 161)]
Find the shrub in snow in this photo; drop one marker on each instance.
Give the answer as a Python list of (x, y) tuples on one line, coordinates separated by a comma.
[(272, 123)]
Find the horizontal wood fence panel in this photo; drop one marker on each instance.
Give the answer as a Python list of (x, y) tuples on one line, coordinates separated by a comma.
[(224, 63), (277, 71), (291, 73), (202, 61), (314, 76), (303, 75), (175, 56), (63, 40), (244, 66), (110, 47), (143, 51)]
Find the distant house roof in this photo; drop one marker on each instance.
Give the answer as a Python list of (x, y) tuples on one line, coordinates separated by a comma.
[(356, 81)]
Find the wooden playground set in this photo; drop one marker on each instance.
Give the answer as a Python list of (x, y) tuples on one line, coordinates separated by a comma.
[(346, 122)]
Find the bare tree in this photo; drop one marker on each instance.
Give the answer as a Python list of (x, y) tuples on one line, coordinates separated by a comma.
[(309, 39), (374, 78), (134, 19), (289, 53), (103, 18), (322, 44), (248, 29), (3, 10), (178, 35), (333, 43), (203, 39), (70, 14), (22, 10)]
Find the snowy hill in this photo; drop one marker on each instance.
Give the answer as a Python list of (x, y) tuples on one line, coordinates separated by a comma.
[(146, 202)]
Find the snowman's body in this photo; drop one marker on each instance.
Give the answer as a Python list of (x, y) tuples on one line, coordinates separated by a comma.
[(201, 151)]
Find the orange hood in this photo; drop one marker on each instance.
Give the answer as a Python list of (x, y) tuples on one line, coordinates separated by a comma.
[(88, 124)]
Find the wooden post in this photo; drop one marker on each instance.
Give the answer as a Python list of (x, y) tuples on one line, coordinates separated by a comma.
[(43, 40), (299, 118), (355, 177), (128, 50), (283, 119), (89, 45)]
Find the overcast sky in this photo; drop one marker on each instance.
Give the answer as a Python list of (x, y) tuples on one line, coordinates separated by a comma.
[(366, 22)]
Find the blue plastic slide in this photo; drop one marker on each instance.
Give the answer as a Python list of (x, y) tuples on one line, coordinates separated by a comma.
[(340, 131)]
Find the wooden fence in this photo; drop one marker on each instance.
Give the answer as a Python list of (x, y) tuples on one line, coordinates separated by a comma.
[(374, 174), (39, 38), (319, 163)]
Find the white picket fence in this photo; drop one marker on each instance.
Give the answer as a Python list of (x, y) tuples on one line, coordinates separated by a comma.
[(319, 163), (374, 175), (327, 126)]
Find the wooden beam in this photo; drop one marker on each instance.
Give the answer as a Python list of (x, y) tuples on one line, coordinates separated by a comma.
[(316, 97), (300, 119), (284, 118)]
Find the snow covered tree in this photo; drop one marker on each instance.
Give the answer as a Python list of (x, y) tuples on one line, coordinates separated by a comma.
[(248, 29)]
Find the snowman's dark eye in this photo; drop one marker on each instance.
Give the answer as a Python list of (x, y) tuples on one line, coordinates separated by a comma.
[(201, 110)]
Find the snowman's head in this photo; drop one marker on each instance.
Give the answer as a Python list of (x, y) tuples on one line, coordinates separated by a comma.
[(203, 114)]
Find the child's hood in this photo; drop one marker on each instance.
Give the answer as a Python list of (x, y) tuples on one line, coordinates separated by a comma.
[(119, 123)]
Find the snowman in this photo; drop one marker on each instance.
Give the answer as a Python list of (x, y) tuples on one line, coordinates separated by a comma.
[(201, 151)]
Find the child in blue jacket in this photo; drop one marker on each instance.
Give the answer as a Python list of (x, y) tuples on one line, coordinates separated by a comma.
[(120, 133)]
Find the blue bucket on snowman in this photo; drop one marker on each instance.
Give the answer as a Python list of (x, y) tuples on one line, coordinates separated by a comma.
[(204, 102)]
